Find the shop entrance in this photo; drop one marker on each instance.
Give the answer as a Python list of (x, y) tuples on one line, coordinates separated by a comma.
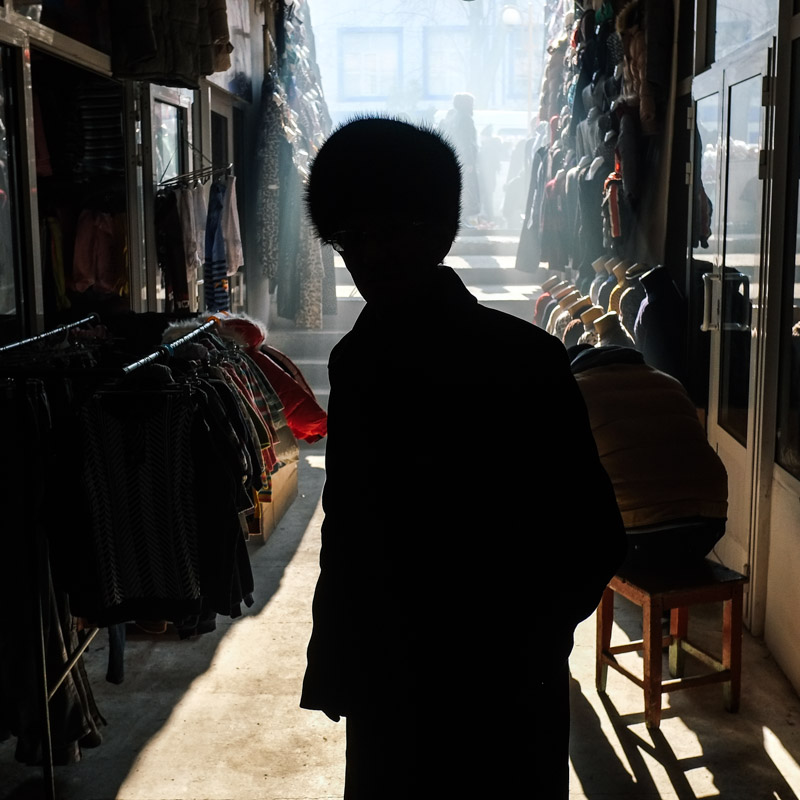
[(733, 122)]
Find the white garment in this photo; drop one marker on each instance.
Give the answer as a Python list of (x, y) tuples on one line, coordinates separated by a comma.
[(231, 235), (200, 197), (189, 230)]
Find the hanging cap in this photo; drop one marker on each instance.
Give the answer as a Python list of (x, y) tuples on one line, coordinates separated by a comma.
[(565, 301), (607, 322), (591, 314), (581, 304), (550, 283), (636, 270), (560, 289), (620, 270)]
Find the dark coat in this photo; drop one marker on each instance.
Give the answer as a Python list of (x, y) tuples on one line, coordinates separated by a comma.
[(458, 554)]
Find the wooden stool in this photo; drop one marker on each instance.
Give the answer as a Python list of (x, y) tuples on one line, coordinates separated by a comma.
[(658, 593)]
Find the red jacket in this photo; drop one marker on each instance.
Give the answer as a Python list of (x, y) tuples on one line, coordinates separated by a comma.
[(306, 418)]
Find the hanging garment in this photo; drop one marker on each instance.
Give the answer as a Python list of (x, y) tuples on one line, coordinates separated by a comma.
[(171, 252), (306, 419), (191, 241), (90, 130), (26, 419), (554, 223), (215, 268), (53, 257), (590, 198), (165, 480), (229, 223), (529, 253), (167, 43), (269, 186), (100, 254)]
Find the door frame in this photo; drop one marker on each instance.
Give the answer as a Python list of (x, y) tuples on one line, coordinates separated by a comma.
[(31, 292)]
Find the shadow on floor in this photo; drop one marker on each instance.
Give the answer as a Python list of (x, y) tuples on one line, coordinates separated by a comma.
[(700, 750), (159, 670)]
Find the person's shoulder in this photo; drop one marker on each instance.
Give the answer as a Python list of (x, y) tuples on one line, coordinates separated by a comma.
[(515, 330), (505, 322)]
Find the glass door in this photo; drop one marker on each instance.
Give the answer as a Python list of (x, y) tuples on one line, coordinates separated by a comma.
[(732, 115), (11, 295), (20, 290)]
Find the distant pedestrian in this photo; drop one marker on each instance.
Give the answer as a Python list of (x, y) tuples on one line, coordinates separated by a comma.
[(468, 523), (459, 127), (490, 158)]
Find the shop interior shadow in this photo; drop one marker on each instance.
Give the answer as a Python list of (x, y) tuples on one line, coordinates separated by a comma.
[(161, 668)]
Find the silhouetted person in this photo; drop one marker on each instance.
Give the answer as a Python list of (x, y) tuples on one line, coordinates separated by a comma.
[(468, 523), (459, 127)]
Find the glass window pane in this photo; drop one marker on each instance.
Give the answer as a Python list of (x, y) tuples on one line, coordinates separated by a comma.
[(166, 141), (370, 63), (10, 327), (741, 21), (742, 253), (705, 202), (706, 250), (81, 190), (446, 67)]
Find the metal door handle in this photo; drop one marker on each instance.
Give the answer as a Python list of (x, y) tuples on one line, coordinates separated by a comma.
[(712, 299)]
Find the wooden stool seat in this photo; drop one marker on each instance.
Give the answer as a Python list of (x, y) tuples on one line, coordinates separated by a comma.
[(656, 593)]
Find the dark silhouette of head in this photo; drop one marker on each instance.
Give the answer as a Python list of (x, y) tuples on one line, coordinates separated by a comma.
[(386, 194)]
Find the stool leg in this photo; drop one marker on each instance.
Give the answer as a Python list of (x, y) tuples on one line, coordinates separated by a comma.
[(653, 641), (732, 648), (678, 630), (605, 621)]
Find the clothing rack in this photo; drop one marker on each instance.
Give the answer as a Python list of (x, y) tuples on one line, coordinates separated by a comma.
[(202, 174), (47, 689), (54, 332), (47, 686), (168, 349)]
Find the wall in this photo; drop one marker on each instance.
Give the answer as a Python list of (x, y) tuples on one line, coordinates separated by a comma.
[(782, 629)]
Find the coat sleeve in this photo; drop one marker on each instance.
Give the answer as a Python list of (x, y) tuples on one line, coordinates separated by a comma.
[(583, 540)]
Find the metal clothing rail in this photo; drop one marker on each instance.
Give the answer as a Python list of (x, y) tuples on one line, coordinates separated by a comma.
[(168, 349), (202, 174), (48, 334)]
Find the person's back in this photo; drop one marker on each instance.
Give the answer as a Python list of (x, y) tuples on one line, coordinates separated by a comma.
[(671, 486), (440, 533)]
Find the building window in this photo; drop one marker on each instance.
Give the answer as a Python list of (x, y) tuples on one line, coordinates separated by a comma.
[(736, 23), (445, 52), (370, 62), (788, 442), (167, 135)]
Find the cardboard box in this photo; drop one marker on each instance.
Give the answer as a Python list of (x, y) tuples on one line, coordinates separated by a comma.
[(284, 491)]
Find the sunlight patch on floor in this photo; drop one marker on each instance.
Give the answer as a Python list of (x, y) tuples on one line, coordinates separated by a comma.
[(316, 462), (783, 760), (701, 781)]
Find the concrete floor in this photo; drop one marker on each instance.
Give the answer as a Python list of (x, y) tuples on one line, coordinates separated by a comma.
[(217, 718)]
